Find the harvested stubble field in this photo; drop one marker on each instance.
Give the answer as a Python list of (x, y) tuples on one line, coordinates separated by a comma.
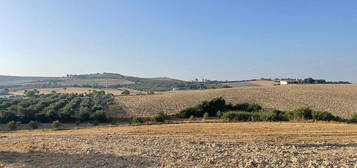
[(264, 144), (340, 100)]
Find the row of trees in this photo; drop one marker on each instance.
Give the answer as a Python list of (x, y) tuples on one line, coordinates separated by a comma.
[(95, 105)]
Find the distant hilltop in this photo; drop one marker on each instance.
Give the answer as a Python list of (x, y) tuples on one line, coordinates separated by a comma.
[(115, 80), (97, 80)]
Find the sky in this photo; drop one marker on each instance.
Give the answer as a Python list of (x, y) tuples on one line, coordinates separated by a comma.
[(184, 39)]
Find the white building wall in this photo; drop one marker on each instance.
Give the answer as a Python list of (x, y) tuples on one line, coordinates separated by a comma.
[(284, 82)]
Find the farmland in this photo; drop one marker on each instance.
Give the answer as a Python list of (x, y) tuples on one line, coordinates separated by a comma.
[(246, 144), (340, 100), (78, 90)]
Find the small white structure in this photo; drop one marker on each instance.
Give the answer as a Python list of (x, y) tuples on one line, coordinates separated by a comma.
[(180, 88), (6, 96), (284, 82), (288, 82)]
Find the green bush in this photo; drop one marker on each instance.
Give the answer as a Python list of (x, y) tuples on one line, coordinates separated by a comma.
[(192, 118), (12, 125), (95, 123), (114, 122), (205, 116), (125, 92), (219, 114), (159, 117), (191, 111), (56, 124), (324, 116), (78, 123), (137, 120), (240, 116), (34, 124), (353, 119), (247, 107), (100, 116), (303, 113), (271, 115)]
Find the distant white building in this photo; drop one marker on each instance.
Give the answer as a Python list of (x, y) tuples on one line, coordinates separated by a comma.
[(180, 88), (284, 82), (287, 82), (6, 96)]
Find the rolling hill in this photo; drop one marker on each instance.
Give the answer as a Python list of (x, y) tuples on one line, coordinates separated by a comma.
[(98, 80)]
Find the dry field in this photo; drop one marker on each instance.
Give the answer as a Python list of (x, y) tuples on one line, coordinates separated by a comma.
[(340, 100), (260, 144), (251, 83)]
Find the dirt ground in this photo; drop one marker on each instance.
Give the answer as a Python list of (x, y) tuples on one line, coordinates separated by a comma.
[(246, 144)]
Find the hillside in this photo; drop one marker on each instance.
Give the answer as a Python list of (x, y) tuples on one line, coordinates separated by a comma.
[(337, 99), (99, 80)]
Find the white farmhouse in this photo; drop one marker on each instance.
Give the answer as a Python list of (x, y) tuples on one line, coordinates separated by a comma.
[(284, 82)]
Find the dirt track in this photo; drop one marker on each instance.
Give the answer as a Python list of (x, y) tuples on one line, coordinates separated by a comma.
[(185, 145)]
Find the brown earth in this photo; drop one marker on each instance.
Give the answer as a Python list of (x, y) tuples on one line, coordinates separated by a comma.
[(259, 144)]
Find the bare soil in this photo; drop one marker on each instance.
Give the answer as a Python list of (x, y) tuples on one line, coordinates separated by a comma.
[(247, 144)]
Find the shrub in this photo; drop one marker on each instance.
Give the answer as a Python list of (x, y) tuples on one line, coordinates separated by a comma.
[(192, 117), (56, 124), (213, 106), (9, 116), (113, 122), (219, 114), (137, 120), (78, 122), (100, 116), (34, 124), (353, 119), (125, 92), (205, 116), (321, 115), (95, 123), (271, 115), (84, 113), (12, 125), (240, 116), (159, 117), (247, 107), (303, 113), (191, 111)]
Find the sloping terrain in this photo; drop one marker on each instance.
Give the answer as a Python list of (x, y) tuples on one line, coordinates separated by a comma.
[(185, 145), (341, 100), (99, 80)]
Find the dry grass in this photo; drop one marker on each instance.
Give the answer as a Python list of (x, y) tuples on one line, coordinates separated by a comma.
[(340, 100)]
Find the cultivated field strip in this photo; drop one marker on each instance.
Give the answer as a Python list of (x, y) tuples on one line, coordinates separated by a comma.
[(340, 100)]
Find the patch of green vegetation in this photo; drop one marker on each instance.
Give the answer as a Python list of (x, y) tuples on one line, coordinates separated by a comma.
[(66, 108), (218, 107), (353, 118)]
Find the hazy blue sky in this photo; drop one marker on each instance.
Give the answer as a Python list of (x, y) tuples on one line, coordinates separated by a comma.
[(215, 39)]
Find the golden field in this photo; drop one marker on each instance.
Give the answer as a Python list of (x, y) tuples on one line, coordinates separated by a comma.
[(246, 144), (340, 100)]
